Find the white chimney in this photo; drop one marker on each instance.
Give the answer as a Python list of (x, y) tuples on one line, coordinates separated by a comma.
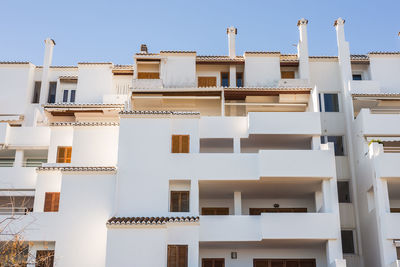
[(231, 31), (302, 50), (343, 52), (48, 56)]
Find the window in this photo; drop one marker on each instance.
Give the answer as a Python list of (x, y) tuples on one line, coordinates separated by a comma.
[(225, 79), (343, 192), (180, 144), (179, 201), (73, 93), (64, 154), (44, 258), (51, 201), (52, 92), (177, 256), (337, 141), (258, 211), (348, 241), (284, 263), (287, 74), (65, 96), (207, 81), (398, 252), (36, 93), (331, 103), (148, 75), (239, 79), (215, 211), (357, 77), (213, 263)]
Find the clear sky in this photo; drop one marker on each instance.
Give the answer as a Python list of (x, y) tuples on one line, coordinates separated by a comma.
[(113, 30)]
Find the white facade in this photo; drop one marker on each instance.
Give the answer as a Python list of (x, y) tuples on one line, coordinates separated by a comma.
[(295, 155)]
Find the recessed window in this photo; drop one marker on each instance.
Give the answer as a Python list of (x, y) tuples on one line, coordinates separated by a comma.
[(207, 81), (179, 201), (398, 252), (225, 79), (177, 256), (331, 103), (239, 79), (64, 154), (70, 93), (51, 201), (357, 77), (337, 141), (348, 241), (52, 92), (36, 93), (180, 144), (287, 74), (343, 192), (215, 211), (213, 262)]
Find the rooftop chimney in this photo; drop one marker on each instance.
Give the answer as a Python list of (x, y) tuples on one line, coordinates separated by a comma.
[(231, 31), (48, 57), (143, 49), (302, 50)]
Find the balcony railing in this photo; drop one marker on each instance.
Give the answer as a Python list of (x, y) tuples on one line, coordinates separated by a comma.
[(6, 163), (15, 210)]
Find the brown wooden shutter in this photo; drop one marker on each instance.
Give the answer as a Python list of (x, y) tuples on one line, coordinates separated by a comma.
[(51, 201), (64, 154), (177, 256), (287, 74), (215, 211), (184, 201), (207, 81), (148, 75), (179, 201), (180, 144)]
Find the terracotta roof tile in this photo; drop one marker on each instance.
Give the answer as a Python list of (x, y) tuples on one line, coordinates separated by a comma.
[(158, 112), (289, 58), (263, 52), (178, 51), (14, 62), (79, 169), (85, 123), (221, 59), (151, 220), (82, 105), (384, 53)]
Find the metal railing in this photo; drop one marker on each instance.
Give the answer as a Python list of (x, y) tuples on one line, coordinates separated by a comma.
[(6, 163), (15, 210)]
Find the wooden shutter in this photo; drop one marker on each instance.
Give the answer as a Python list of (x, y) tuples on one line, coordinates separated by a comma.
[(148, 75), (44, 258), (258, 211), (287, 74), (64, 154), (51, 201), (177, 256), (207, 81), (260, 263), (179, 201), (213, 262), (180, 144), (215, 211)]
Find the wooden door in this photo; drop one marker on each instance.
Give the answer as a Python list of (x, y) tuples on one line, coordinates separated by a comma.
[(258, 211), (287, 74)]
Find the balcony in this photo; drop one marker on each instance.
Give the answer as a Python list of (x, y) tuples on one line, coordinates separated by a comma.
[(139, 84), (268, 226), (374, 124), (392, 221), (293, 83), (365, 87), (284, 123), (28, 136), (18, 177), (388, 165)]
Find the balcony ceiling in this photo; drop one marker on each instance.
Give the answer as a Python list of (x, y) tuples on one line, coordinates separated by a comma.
[(270, 243)]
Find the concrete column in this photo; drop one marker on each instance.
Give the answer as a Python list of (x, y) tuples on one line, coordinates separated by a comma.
[(334, 255), (316, 143), (302, 50), (236, 145), (232, 76), (222, 103), (19, 158), (194, 197), (48, 57), (231, 31), (237, 202), (326, 196)]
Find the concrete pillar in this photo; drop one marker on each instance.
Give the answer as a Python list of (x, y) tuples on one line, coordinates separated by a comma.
[(222, 102), (19, 158), (302, 50), (237, 202), (48, 57), (326, 196), (334, 255), (316, 143), (194, 197), (232, 76), (236, 145), (231, 31)]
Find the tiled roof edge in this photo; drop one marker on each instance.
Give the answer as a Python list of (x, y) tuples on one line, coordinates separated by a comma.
[(84, 123), (158, 112), (78, 169), (150, 220)]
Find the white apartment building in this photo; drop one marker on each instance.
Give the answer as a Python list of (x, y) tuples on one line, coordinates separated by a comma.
[(181, 160)]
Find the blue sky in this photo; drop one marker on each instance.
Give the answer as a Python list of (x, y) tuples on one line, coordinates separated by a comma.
[(112, 31)]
